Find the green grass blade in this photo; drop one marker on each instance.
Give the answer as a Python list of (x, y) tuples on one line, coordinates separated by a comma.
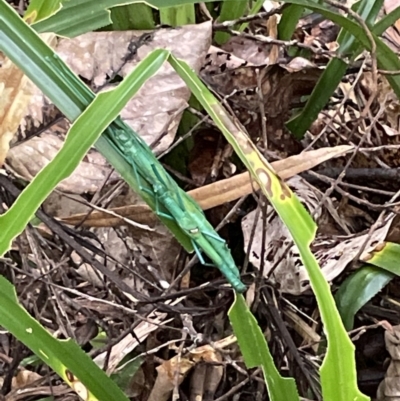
[(81, 16), (84, 132), (289, 20), (386, 256), (358, 289), (25, 48), (387, 21), (230, 10), (256, 353), (178, 16), (338, 372), (132, 16), (334, 71), (326, 85), (63, 356), (41, 9)]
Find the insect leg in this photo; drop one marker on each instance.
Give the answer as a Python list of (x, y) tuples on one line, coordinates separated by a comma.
[(200, 256), (214, 236), (158, 212), (198, 253)]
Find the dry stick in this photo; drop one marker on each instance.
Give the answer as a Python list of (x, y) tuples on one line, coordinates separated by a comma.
[(251, 239), (57, 229), (359, 201), (284, 43), (186, 136), (370, 174), (248, 18), (236, 388), (335, 114), (281, 326)]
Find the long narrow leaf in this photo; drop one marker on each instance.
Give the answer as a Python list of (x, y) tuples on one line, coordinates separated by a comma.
[(358, 289), (84, 132), (64, 357), (256, 353), (386, 58), (338, 372), (25, 48), (80, 16)]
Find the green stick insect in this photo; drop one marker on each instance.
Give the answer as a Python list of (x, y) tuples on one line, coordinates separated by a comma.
[(153, 180)]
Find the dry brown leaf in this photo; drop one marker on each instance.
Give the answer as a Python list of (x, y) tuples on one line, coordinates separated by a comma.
[(393, 32), (389, 388), (24, 378), (28, 158), (14, 97), (309, 335), (172, 372), (217, 193), (282, 257), (15, 94), (130, 342), (154, 112)]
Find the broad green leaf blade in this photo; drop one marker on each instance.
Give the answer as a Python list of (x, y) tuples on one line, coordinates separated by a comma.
[(358, 289), (25, 48), (83, 133), (256, 353), (41, 9), (338, 372), (230, 10), (178, 16), (132, 16), (81, 16), (386, 255), (123, 377), (63, 356), (289, 20)]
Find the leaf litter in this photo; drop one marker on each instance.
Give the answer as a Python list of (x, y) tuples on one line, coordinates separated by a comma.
[(69, 294)]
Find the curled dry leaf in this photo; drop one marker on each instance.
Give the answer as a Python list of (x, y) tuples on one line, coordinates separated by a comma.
[(15, 94), (156, 110), (205, 381), (282, 263), (172, 372), (389, 388), (24, 378)]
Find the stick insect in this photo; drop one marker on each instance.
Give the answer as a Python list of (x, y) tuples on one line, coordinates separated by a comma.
[(152, 179)]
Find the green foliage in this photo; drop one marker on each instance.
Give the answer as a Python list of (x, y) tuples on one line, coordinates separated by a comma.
[(24, 47), (41, 9), (178, 16), (358, 289), (338, 371), (63, 356), (132, 16), (350, 39), (96, 118), (256, 353), (367, 281), (230, 10)]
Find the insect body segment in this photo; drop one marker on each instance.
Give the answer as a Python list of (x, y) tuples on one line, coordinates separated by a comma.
[(177, 204)]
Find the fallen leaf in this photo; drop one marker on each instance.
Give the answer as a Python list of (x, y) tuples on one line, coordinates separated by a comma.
[(215, 194)]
